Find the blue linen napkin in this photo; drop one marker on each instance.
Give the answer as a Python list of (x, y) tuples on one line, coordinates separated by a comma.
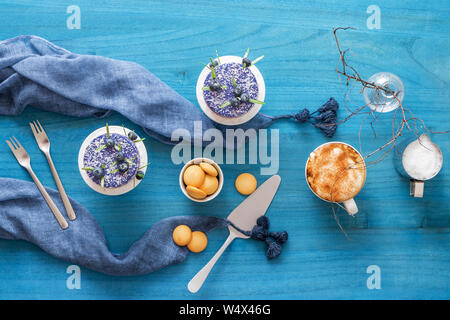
[(24, 215), (37, 72)]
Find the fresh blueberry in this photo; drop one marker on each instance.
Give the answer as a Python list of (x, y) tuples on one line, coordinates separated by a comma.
[(98, 172), (214, 63), (215, 86), (244, 97), (110, 143), (234, 102), (123, 166), (140, 175), (247, 62), (120, 157), (132, 135), (237, 92)]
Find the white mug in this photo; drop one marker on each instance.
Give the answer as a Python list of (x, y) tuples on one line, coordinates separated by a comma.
[(419, 159), (349, 204)]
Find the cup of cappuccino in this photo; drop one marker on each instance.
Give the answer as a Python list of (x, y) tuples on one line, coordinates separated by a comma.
[(336, 172)]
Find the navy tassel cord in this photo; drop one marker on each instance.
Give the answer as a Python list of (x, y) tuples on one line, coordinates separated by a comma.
[(325, 120), (260, 232)]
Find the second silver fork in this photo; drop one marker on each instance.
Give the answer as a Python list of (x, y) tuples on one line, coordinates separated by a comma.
[(44, 146)]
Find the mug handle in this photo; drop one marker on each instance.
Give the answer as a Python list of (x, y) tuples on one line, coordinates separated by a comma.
[(350, 206), (416, 188)]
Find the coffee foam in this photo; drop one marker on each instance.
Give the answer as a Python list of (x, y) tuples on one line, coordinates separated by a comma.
[(335, 172)]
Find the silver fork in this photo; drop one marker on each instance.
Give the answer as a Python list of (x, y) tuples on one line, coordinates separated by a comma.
[(24, 160), (44, 146)]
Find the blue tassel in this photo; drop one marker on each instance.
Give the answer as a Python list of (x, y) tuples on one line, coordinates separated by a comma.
[(328, 129), (324, 118), (274, 240), (302, 116), (263, 221), (259, 233), (273, 249), (280, 237), (330, 105)]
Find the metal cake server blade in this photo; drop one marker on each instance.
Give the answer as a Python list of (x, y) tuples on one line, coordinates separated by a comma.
[(243, 217)]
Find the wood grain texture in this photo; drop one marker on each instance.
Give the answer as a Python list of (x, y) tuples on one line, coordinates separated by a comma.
[(409, 239)]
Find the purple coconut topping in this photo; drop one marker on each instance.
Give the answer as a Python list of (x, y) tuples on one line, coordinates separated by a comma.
[(245, 80), (107, 156)]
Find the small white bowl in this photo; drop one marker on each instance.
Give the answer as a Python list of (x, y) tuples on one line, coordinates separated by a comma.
[(224, 120), (219, 177)]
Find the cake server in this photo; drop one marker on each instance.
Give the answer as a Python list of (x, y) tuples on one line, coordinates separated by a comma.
[(44, 146), (24, 160), (243, 217)]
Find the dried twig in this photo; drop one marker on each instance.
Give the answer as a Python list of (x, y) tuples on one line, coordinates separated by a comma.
[(352, 78)]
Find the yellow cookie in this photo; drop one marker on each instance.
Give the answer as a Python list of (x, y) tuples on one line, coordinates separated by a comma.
[(246, 183), (193, 176), (182, 235), (198, 242), (209, 169), (210, 184), (195, 192)]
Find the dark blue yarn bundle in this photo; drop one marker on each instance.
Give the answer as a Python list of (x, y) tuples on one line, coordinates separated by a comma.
[(260, 232), (325, 120)]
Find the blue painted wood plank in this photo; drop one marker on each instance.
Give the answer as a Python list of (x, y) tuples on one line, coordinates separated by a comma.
[(407, 238)]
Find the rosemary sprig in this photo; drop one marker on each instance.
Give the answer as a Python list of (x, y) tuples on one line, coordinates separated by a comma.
[(102, 182), (246, 52), (234, 82), (204, 64), (139, 140), (217, 55), (213, 72), (225, 104), (257, 59), (255, 101), (103, 146), (114, 171), (143, 166), (107, 130), (206, 89), (87, 168)]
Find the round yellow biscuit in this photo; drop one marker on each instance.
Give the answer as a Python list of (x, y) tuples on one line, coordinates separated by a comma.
[(246, 183), (193, 176), (209, 169), (210, 184), (198, 242), (195, 192), (182, 235)]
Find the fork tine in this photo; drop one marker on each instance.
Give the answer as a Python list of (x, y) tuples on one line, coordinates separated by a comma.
[(33, 128), (18, 143), (36, 127), (40, 127), (13, 143), (10, 146)]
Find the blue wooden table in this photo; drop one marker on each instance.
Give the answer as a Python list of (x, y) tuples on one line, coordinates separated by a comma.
[(403, 241)]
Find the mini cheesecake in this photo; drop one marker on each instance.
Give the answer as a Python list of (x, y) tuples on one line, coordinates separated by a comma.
[(230, 93), (112, 160), (246, 82)]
